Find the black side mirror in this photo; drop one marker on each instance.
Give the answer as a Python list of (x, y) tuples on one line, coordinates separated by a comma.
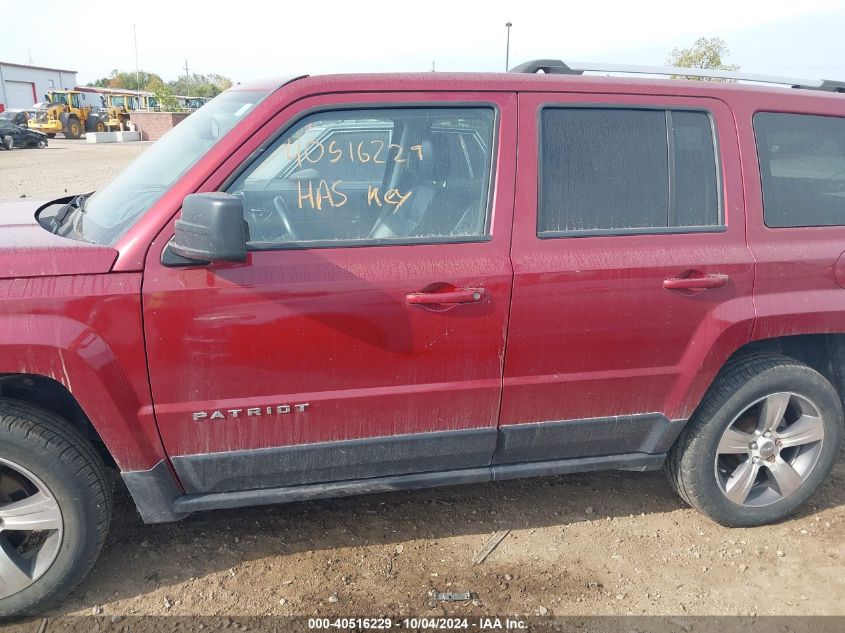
[(212, 229)]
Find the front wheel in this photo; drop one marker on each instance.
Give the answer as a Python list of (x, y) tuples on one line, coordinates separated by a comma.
[(763, 440), (73, 128), (55, 508), (7, 142)]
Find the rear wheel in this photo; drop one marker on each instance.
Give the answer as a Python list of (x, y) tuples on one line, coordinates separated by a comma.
[(763, 440), (55, 508)]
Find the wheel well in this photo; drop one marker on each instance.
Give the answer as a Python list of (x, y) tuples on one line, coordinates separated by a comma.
[(52, 395), (823, 352)]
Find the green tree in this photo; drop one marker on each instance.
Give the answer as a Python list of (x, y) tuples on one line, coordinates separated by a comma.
[(706, 52), (128, 79), (164, 97), (200, 85)]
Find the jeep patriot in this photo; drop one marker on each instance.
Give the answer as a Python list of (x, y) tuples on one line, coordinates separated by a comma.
[(339, 285)]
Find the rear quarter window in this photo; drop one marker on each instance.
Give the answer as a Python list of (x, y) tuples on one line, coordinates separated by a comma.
[(802, 169)]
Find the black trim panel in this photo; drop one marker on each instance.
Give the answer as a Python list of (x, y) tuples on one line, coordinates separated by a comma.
[(154, 492), (193, 503), (642, 433), (335, 461)]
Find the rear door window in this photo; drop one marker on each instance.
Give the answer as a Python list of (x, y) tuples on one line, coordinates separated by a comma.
[(802, 168), (618, 170)]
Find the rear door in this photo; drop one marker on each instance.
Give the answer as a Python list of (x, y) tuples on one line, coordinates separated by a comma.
[(365, 333), (632, 276)]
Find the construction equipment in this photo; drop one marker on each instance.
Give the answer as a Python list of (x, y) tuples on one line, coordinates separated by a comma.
[(63, 112), (116, 108)]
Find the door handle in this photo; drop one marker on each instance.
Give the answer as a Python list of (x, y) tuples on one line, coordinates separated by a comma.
[(459, 295), (696, 283)]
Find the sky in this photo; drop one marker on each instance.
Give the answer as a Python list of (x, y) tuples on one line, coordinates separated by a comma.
[(253, 39)]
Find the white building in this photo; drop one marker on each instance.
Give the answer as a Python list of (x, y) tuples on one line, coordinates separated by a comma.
[(21, 85)]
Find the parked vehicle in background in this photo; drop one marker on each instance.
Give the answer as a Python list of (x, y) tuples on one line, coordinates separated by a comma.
[(18, 117), (12, 136), (116, 108), (342, 285), (63, 111)]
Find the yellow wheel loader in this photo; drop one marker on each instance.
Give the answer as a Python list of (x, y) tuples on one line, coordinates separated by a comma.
[(116, 108), (63, 112)]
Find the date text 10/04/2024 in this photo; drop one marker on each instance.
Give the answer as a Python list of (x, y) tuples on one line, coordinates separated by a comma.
[(420, 623), (315, 194)]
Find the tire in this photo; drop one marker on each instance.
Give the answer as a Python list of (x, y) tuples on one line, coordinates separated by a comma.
[(101, 126), (39, 448), (73, 128), (8, 142), (711, 461), (51, 134)]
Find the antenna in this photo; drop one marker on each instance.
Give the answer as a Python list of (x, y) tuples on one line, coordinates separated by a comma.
[(187, 80), (137, 72)]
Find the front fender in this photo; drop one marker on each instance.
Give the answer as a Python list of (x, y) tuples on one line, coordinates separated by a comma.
[(86, 333)]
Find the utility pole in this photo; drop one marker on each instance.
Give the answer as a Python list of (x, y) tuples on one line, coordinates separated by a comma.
[(508, 26), (187, 80), (137, 72)]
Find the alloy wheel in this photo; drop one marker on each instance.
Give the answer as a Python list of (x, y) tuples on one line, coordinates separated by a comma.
[(31, 528), (769, 449)]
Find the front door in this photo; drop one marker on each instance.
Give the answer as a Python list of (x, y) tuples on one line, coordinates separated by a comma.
[(632, 278), (364, 336)]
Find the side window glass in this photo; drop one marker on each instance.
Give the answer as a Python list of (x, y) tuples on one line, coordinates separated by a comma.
[(615, 170), (802, 168), (399, 175)]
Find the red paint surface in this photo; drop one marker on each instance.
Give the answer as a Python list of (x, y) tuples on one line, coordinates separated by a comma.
[(332, 327), (591, 330)]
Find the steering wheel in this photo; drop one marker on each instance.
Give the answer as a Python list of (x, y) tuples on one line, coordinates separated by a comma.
[(282, 212)]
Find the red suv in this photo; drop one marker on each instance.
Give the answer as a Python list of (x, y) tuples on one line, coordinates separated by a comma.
[(350, 284)]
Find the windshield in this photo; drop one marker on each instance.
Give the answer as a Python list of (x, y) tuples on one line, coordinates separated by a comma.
[(58, 98), (113, 209)]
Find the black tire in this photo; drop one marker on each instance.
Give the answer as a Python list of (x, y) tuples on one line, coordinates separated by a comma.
[(73, 128), (691, 463), (51, 135), (66, 462), (7, 142)]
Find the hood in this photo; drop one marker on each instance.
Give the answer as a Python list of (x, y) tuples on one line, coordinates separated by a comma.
[(28, 250)]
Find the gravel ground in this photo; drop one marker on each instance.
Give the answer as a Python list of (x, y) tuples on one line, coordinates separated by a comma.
[(64, 167), (597, 544)]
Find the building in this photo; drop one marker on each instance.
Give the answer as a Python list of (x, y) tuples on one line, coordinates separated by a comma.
[(22, 85)]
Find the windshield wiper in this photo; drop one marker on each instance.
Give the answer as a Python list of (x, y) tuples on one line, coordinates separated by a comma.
[(78, 202)]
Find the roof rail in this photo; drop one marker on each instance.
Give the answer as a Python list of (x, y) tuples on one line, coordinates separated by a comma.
[(557, 67)]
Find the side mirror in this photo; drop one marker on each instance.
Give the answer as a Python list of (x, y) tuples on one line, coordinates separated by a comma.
[(212, 229)]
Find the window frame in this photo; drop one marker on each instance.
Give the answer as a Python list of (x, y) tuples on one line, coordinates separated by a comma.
[(668, 230), (760, 167), (270, 142)]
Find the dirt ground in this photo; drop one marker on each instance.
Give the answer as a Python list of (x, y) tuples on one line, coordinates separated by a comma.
[(65, 167), (594, 544)]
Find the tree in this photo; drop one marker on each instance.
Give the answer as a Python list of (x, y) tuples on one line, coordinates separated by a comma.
[(704, 53), (128, 79), (164, 97), (200, 85)]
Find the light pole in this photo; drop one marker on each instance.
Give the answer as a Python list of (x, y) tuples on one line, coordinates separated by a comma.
[(508, 26)]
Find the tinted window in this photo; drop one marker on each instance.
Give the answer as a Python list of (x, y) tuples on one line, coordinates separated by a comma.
[(616, 169), (802, 167), (400, 175)]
